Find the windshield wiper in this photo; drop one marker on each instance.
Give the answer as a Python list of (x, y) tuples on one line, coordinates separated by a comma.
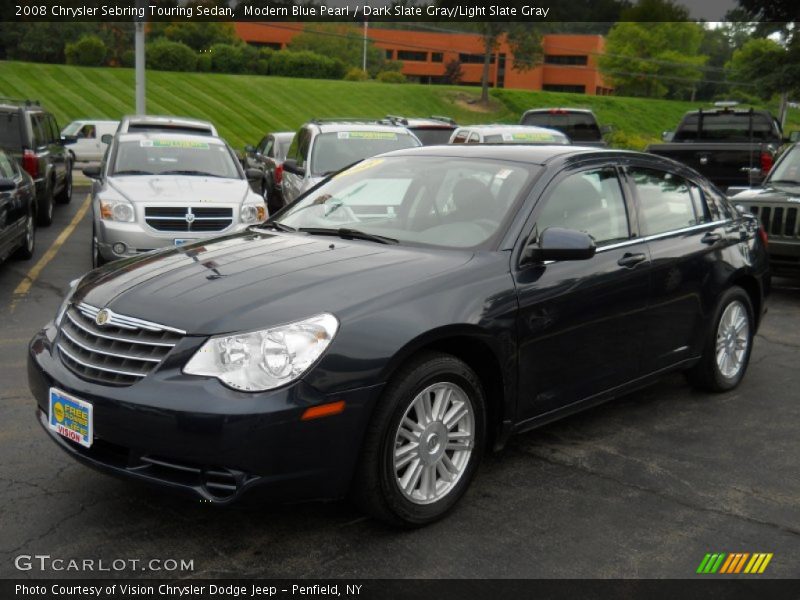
[(349, 234), (132, 172), (277, 225), (189, 172)]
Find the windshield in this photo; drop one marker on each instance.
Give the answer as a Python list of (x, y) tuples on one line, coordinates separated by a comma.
[(579, 127), (282, 147), (334, 151), (726, 127), (161, 156), (431, 200), (788, 169), (431, 136), (72, 128)]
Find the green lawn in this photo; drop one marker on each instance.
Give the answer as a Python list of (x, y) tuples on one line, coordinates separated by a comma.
[(245, 106)]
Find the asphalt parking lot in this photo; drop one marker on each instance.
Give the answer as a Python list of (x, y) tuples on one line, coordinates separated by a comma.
[(644, 486)]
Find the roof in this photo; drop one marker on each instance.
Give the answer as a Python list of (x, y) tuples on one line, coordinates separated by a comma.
[(282, 134), (334, 125), (558, 109), (434, 122), (535, 155)]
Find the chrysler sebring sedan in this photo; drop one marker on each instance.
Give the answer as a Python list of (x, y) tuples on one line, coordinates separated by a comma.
[(382, 332)]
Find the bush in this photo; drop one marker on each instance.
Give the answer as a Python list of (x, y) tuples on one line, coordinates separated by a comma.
[(227, 58), (305, 64), (356, 75), (629, 141), (261, 64), (89, 51), (128, 59), (204, 62), (164, 55), (391, 77)]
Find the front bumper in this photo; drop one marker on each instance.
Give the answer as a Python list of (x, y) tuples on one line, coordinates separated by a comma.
[(138, 238), (784, 257), (193, 435)]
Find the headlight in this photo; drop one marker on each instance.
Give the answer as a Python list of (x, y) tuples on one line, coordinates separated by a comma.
[(253, 213), (73, 285), (117, 210), (263, 360)]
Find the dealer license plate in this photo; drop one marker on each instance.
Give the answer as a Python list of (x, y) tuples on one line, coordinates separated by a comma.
[(182, 241), (70, 417)]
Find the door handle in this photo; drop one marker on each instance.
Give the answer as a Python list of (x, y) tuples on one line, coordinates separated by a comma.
[(631, 260), (711, 238)]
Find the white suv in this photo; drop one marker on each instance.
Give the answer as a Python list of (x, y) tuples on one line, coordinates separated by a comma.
[(157, 189)]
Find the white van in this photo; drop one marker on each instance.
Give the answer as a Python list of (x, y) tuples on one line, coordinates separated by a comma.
[(90, 146)]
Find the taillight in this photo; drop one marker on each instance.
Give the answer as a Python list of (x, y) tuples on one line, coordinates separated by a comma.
[(30, 163), (762, 233), (278, 173), (766, 162)]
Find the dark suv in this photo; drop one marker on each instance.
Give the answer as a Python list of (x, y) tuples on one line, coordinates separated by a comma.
[(579, 124), (32, 136)]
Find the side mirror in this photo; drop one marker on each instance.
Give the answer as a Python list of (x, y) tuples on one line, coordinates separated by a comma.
[(794, 137), (66, 140), (556, 243), (290, 166), (252, 174), (92, 172), (666, 136), (606, 129), (106, 138), (7, 185)]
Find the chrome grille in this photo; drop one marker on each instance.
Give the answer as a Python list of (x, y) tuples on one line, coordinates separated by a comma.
[(120, 352), (188, 218), (779, 221)]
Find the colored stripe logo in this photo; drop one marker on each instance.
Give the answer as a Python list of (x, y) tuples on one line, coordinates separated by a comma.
[(734, 563)]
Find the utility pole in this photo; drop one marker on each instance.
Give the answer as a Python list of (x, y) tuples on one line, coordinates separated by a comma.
[(364, 57), (141, 107)]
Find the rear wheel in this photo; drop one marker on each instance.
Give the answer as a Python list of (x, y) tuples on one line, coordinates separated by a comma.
[(728, 345), (65, 195), (46, 204), (25, 251), (424, 442)]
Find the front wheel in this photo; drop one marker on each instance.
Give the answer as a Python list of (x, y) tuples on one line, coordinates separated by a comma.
[(728, 345), (45, 207), (424, 442)]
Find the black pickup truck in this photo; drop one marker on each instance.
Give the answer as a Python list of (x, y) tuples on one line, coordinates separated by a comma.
[(732, 147)]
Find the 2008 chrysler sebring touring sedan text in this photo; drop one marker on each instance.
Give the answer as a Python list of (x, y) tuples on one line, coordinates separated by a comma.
[(377, 335)]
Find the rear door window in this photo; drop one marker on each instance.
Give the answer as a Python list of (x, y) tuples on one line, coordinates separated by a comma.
[(727, 127), (667, 202), (461, 137)]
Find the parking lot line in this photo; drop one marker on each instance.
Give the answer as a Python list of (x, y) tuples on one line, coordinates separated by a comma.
[(31, 276)]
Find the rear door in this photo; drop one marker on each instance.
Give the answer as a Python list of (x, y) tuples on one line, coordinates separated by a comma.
[(581, 322), (684, 241), (11, 205)]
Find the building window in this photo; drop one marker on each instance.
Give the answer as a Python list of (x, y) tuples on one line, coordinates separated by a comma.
[(437, 57), (389, 54), (572, 89), (473, 58), (412, 55), (562, 59)]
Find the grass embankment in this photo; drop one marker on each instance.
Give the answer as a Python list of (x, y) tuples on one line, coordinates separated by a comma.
[(244, 107)]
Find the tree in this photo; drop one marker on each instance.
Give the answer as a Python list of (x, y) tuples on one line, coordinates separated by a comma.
[(453, 73), (654, 59), (340, 41), (89, 51), (199, 36), (762, 64)]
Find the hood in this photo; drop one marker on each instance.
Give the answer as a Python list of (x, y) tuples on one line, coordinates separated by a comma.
[(258, 279), (769, 193), (180, 188)]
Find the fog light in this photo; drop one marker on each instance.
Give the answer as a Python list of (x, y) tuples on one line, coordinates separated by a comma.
[(119, 248)]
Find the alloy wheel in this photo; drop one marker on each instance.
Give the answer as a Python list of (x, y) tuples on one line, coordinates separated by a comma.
[(733, 339)]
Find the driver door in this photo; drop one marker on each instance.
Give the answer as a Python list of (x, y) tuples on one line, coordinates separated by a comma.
[(581, 322)]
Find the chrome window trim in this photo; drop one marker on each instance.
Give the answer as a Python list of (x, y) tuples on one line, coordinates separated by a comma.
[(657, 236)]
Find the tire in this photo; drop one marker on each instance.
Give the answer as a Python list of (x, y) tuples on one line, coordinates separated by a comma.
[(378, 485), (46, 205), (97, 258), (65, 195), (25, 251), (729, 343)]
